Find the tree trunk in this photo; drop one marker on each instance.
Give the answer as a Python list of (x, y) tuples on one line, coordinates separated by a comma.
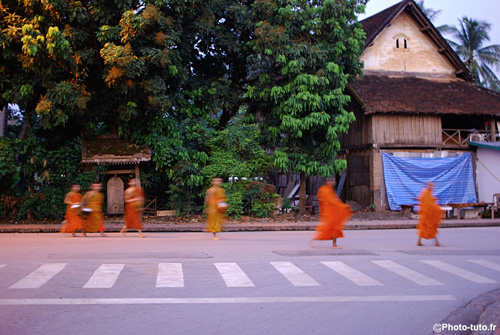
[(3, 121), (302, 195)]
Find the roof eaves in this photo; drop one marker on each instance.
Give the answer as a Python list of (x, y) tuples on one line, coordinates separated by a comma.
[(392, 12), (489, 145)]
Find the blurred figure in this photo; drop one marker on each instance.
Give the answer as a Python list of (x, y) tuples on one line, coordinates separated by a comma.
[(333, 213), (430, 215), (215, 207), (93, 221), (73, 201), (134, 205)]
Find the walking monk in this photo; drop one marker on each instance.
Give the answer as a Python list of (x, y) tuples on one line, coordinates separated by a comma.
[(215, 207), (430, 215), (94, 221), (333, 213), (73, 201), (134, 204)]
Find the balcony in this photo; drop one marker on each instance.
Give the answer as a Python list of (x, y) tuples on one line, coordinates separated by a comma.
[(461, 137)]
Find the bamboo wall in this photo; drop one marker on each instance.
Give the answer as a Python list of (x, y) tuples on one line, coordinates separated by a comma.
[(403, 130)]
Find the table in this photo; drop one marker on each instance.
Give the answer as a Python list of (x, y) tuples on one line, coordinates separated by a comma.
[(406, 208), (458, 206)]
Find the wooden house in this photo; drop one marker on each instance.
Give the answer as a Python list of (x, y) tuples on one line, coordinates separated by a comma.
[(415, 99)]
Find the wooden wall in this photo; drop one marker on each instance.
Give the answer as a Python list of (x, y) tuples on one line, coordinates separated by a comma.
[(360, 131), (394, 130), (357, 185), (402, 130)]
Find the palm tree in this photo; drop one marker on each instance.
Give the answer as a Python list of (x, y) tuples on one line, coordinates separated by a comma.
[(482, 61), (429, 12)]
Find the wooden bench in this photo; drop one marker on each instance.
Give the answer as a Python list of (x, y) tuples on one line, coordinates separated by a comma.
[(311, 209), (459, 206), (407, 209), (448, 210)]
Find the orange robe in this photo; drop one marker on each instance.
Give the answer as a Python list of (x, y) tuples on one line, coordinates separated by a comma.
[(133, 209), (333, 213), (215, 217), (72, 217), (430, 215), (94, 222)]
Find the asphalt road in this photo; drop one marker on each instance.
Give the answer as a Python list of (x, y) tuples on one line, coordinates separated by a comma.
[(245, 283)]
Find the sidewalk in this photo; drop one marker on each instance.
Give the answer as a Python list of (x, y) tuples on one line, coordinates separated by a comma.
[(161, 224)]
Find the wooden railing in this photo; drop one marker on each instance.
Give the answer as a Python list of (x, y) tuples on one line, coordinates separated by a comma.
[(150, 208), (461, 137)]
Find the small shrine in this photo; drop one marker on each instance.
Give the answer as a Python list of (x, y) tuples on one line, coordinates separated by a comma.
[(123, 158)]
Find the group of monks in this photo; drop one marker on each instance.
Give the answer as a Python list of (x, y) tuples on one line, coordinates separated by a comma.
[(334, 213), (85, 213)]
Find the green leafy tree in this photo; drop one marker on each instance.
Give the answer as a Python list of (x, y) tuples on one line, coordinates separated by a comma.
[(470, 38), (305, 55), (173, 74)]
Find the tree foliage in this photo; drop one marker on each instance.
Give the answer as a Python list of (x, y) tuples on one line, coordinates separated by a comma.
[(211, 86), (305, 55), (481, 60)]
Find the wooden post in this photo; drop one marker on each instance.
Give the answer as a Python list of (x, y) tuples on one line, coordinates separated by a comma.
[(3, 121), (302, 194), (137, 171), (493, 131)]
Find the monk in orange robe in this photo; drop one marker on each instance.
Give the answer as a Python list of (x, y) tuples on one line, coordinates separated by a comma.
[(94, 219), (73, 201), (215, 207), (333, 213), (134, 205), (430, 215)]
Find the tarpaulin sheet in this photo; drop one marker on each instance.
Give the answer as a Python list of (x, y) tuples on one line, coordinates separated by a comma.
[(405, 177)]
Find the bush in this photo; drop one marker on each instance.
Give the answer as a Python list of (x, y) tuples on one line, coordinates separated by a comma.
[(262, 210)]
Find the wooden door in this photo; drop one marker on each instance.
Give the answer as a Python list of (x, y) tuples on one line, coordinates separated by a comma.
[(115, 195)]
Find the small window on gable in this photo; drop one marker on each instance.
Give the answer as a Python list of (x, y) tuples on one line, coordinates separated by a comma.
[(401, 42)]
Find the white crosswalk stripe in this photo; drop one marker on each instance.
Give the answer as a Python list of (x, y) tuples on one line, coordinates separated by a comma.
[(233, 275), (407, 273), (485, 263), (170, 275), (105, 276), (473, 277), (352, 274), (40, 276), (295, 275)]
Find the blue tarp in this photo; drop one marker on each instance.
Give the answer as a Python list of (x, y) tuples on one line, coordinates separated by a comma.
[(406, 177)]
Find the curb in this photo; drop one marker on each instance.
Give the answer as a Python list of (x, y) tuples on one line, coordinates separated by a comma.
[(482, 310), (116, 225)]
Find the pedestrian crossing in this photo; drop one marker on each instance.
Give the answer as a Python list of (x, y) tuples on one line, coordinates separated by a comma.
[(40, 276), (173, 275), (105, 276)]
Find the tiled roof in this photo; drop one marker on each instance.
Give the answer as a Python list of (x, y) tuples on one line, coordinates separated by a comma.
[(113, 150), (375, 23), (383, 94)]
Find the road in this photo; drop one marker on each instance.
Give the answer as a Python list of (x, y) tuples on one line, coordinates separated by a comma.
[(245, 283)]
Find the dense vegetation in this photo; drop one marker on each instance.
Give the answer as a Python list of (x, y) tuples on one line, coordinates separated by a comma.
[(214, 87)]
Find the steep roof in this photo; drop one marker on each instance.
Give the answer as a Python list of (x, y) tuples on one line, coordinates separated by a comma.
[(375, 24), (383, 94), (113, 150)]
